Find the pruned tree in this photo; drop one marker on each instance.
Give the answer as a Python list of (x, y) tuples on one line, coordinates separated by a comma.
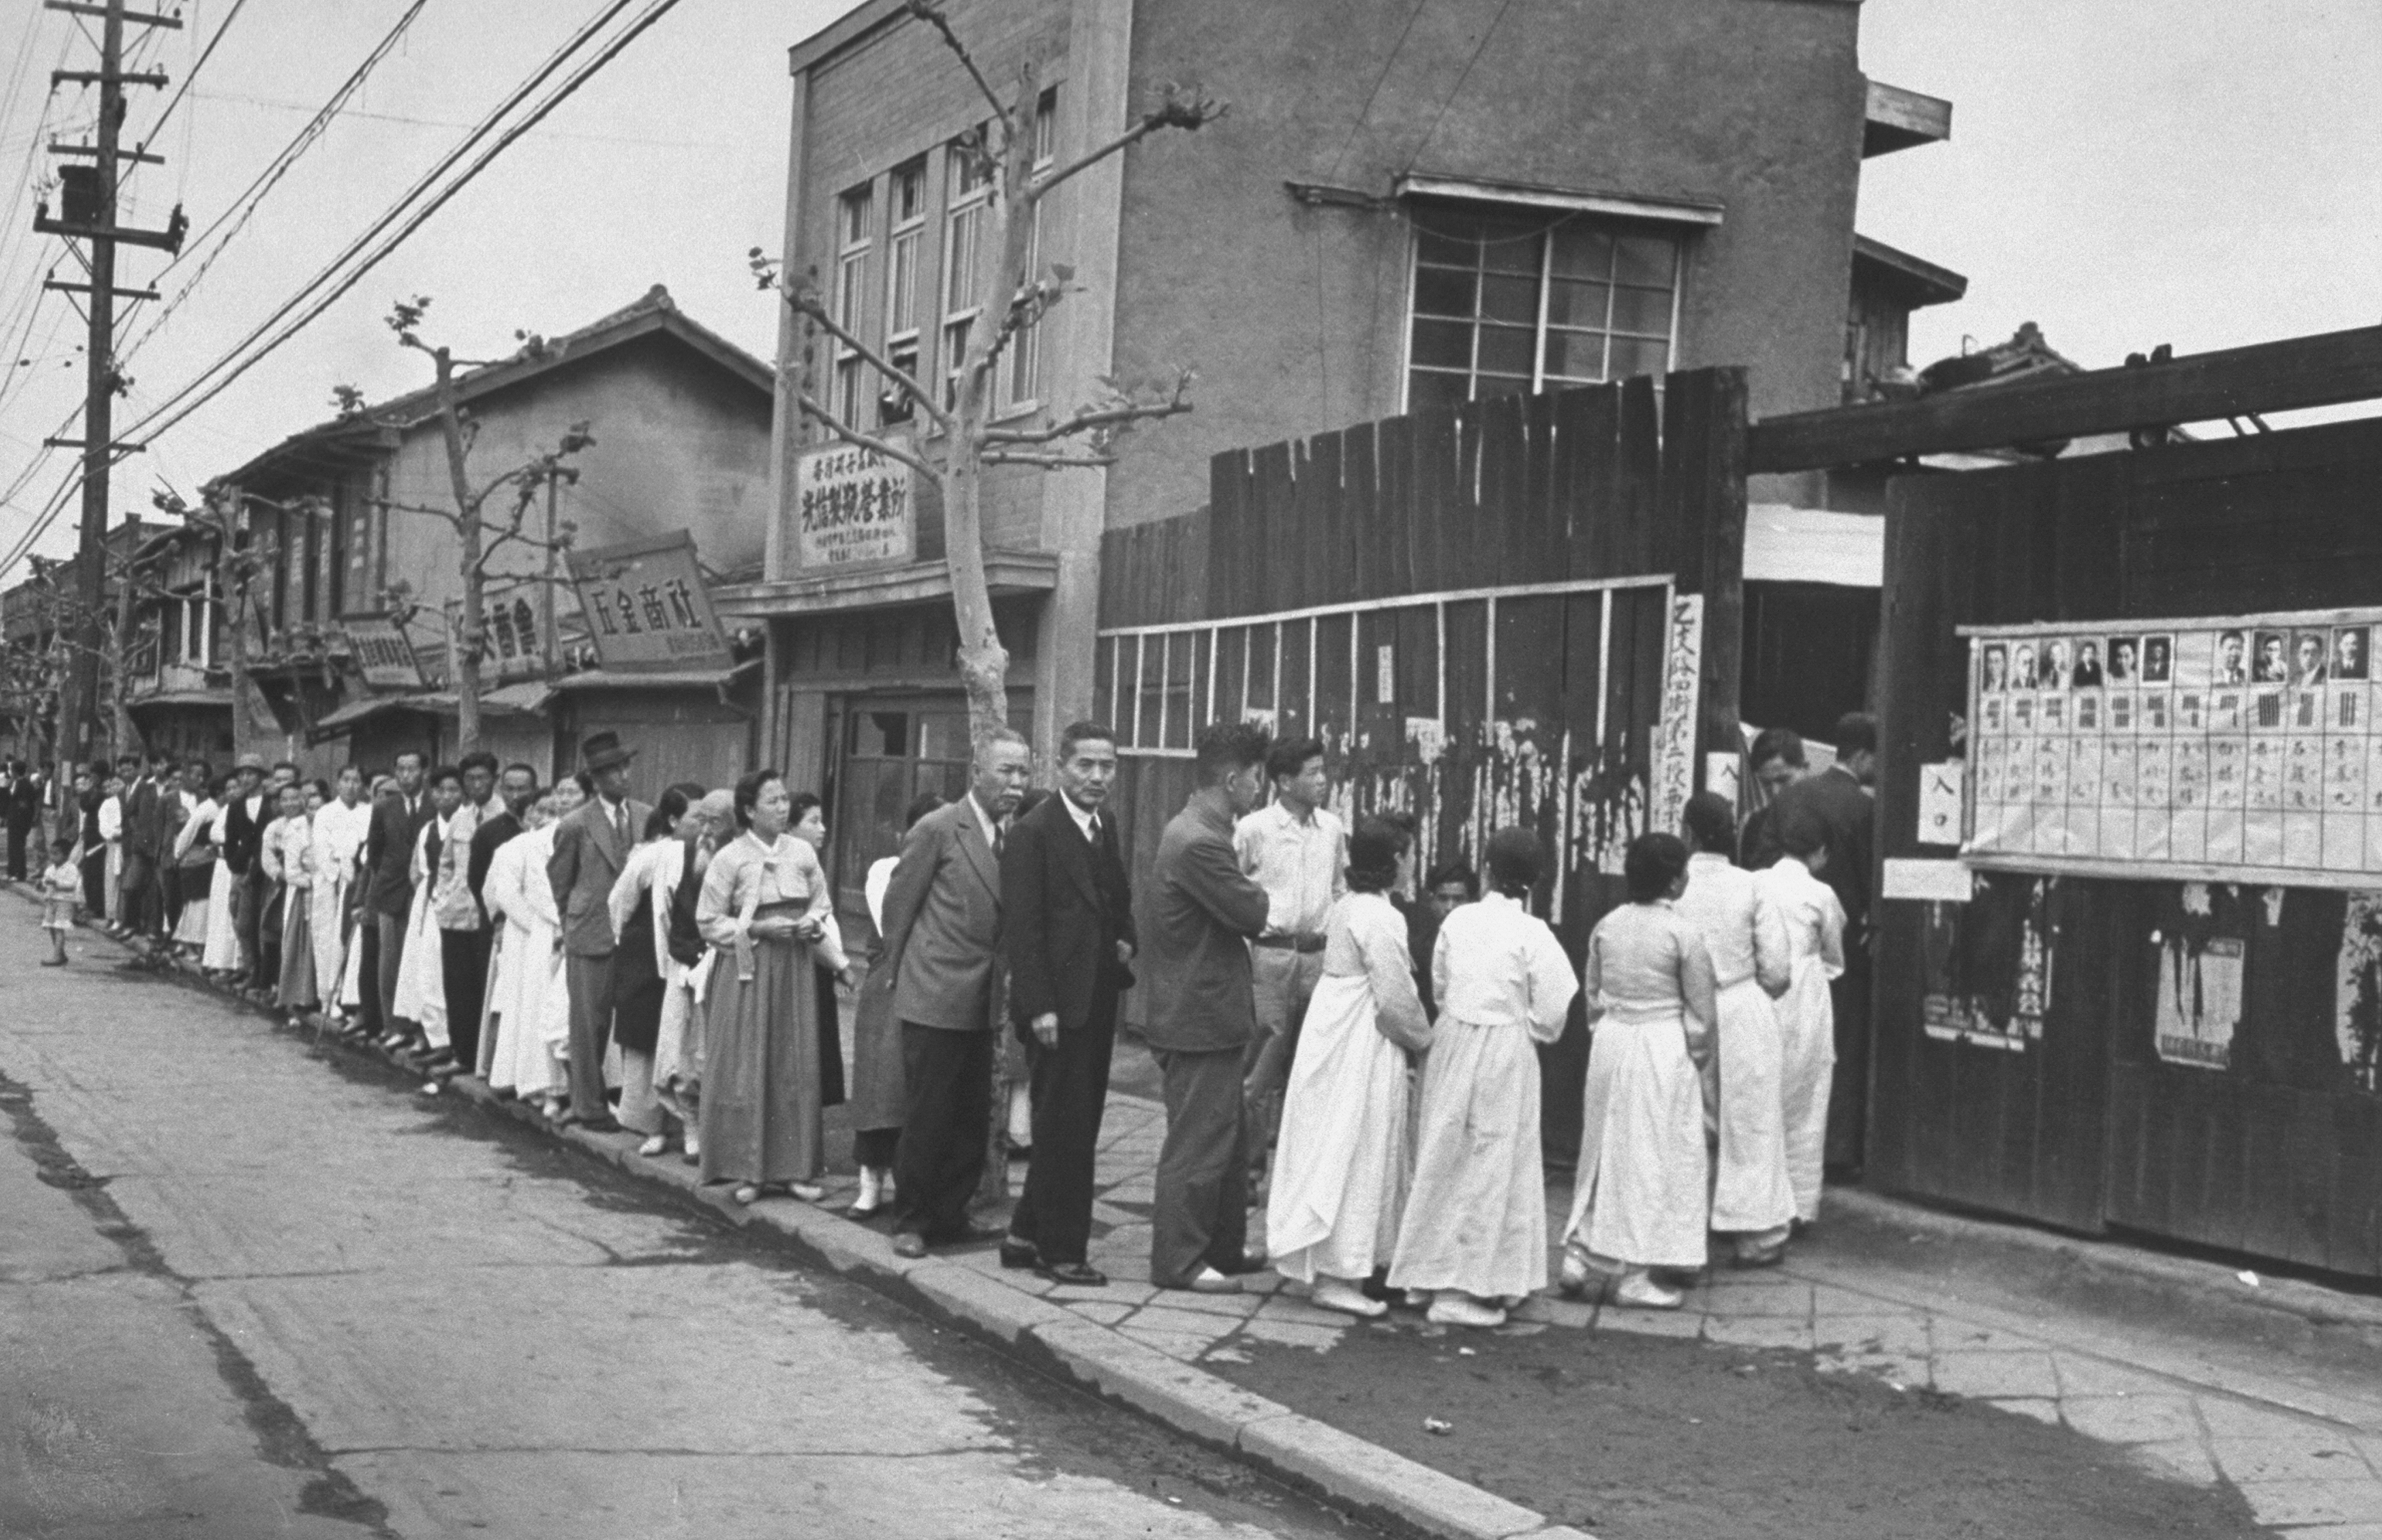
[(478, 539), (1012, 297)]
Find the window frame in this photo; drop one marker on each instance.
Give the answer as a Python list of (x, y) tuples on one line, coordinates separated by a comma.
[(966, 203), (1024, 362), (1676, 236), (855, 231)]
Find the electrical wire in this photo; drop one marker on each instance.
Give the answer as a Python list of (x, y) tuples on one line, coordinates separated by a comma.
[(1461, 76), (166, 112), (181, 403)]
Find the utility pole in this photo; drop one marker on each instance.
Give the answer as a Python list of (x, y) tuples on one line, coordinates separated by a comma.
[(87, 212)]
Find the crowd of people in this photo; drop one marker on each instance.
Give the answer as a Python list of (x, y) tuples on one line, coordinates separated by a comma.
[(1359, 1045)]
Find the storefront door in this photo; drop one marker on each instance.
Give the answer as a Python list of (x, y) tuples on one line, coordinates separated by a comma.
[(892, 747)]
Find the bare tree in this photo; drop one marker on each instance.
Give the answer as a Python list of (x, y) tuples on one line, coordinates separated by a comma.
[(479, 539), (1012, 297)]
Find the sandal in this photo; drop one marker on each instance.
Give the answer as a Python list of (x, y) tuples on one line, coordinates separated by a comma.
[(652, 1146)]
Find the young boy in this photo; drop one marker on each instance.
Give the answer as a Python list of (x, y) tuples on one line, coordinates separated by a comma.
[(61, 894)]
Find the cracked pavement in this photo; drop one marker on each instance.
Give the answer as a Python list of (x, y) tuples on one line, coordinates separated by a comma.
[(245, 1291)]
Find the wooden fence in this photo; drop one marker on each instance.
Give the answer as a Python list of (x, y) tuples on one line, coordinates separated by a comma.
[(1525, 613)]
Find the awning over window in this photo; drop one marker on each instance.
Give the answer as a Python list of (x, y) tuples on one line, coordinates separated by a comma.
[(1619, 206), (1785, 544)]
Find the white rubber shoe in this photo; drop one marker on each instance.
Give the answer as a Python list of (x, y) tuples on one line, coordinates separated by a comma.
[(1345, 1296), (1454, 1309)]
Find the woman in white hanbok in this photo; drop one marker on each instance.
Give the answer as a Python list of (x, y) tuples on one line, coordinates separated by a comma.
[(337, 835), (1815, 921), (1341, 1165), (220, 946), (1752, 1202), (1642, 1191), (529, 969), (1474, 1230), (420, 996), (198, 833)]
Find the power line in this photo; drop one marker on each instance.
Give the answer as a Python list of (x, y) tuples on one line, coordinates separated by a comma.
[(183, 90), (244, 206), (179, 406), (1461, 76), (1367, 110)]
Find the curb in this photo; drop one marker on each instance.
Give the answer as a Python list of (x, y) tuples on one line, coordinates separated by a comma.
[(1362, 1479)]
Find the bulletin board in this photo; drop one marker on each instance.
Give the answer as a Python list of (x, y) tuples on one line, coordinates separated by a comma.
[(2240, 748)]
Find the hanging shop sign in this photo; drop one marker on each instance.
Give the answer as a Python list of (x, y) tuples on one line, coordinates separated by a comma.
[(2241, 750), (646, 608), (511, 644), (383, 653), (852, 506)]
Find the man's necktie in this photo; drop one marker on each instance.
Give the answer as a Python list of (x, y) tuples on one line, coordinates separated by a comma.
[(620, 822)]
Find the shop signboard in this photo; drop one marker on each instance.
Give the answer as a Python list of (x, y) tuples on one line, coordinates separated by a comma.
[(646, 606), (853, 507), (383, 653)]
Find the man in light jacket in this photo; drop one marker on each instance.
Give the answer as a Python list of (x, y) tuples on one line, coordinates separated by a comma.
[(590, 847)]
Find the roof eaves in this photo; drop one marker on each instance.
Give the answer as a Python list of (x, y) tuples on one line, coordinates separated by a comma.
[(1931, 284)]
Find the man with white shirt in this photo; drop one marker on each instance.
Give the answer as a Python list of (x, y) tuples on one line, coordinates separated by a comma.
[(340, 828), (1297, 851), (462, 925)]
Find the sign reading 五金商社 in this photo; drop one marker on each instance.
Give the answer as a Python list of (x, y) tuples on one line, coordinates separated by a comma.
[(852, 506), (2233, 749), (382, 653), (645, 605)]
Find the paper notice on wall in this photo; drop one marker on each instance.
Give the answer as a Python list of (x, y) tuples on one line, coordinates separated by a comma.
[(1929, 881), (1720, 774), (1939, 803), (1673, 768)]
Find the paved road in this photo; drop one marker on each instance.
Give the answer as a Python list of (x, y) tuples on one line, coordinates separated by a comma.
[(246, 1292)]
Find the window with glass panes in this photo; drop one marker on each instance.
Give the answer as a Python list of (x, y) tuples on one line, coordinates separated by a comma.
[(1505, 305), (1023, 379), (969, 191), (854, 227), (906, 196)]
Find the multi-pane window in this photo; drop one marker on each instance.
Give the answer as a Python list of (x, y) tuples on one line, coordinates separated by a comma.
[(970, 196), (1022, 381), (855, 225), (1505, 305), (906, 195)]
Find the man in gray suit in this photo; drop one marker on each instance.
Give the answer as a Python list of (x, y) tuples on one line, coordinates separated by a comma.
[(942, 935), (590, 846), (1202, 914)]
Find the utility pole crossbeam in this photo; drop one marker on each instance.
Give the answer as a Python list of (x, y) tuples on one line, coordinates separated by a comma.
[(87, 212), (62, 288)]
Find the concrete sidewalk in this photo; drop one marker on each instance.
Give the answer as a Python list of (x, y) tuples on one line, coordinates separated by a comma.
[(2068, 1332)]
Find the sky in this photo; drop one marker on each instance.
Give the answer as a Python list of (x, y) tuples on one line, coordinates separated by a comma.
[(2194, 172)]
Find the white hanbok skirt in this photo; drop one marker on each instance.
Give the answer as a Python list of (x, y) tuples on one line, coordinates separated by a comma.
[(1476, 1216), (421, 973), (529, 971), (222, 949), (1640, 1193), (1750, 1187), (325, 901), (1807, 1044), (1341, 1165)]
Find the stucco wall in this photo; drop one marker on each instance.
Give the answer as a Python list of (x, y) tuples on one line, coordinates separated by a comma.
[(678, 445), (1294, 316)]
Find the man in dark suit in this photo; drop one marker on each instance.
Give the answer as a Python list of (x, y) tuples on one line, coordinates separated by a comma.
[(1202, 1017), (1839, 798), (590, 847), (244, 824), (942, 936), (397, 821), (137, 899), (1067, 935), (515, 788), (24, 812)]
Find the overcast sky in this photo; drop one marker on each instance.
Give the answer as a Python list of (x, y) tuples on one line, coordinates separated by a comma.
[(2198, 172)]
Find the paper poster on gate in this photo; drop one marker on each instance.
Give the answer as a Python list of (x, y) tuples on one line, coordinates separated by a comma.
[(2233, 749), (1674, 735)]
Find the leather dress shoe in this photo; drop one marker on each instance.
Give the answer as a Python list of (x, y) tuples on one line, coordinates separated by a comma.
[(1016, 1255), (1078, 1275), (910, 1243)]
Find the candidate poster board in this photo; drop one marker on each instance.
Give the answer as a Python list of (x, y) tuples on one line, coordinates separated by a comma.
[(2240, 748)]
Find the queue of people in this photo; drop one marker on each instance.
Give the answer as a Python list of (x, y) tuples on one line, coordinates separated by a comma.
[(1361, 1044)]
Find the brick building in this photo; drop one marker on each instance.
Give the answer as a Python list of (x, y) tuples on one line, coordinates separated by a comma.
[(1495, 199)]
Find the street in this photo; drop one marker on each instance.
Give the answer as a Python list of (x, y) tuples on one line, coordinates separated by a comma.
[(246, 1292)]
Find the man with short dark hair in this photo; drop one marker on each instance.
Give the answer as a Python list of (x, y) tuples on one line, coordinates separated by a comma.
[(1203, 912), (1297, 851), (244, 824), (140, 899), (590, 847), (1067, 932), (1776, 761), (1839, 798), (455, 903)]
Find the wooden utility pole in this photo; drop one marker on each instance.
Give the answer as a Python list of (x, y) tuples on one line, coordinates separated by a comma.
[(87, 212)]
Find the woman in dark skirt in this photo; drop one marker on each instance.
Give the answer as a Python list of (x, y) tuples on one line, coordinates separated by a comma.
[(808, 824), (766, 906), (638, 984)]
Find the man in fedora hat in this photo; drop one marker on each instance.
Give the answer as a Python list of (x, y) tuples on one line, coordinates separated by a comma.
[(590, 846), (243, 838)]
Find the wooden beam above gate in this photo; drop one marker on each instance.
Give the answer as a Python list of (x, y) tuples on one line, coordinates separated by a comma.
[(2269, 376)]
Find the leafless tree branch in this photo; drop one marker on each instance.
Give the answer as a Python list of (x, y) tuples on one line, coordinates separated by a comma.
[(1184, 108), (811, 408), (806, 302), (1049, 461), (932, 15), (1119, 414)]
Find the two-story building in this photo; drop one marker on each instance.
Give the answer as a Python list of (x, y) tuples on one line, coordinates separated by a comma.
[(359, 574), (1487, 199)]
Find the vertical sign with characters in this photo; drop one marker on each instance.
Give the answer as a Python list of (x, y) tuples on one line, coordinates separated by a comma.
[(1673, 768)]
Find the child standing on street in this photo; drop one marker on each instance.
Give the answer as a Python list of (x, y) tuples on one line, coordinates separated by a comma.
[(61, 892)]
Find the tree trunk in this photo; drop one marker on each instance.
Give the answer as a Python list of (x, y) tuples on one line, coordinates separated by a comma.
[(464, 643), (231, 584)]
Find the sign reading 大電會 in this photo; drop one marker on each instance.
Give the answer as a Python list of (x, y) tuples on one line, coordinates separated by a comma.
[(2212, 750), (646, 606), (852, 506)]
